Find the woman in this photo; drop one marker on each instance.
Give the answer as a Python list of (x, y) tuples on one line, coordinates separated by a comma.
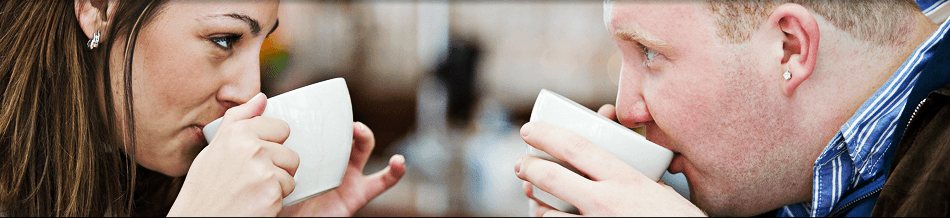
[(102, 107)]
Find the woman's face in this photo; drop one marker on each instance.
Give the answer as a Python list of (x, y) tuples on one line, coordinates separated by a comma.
[(192, 62)]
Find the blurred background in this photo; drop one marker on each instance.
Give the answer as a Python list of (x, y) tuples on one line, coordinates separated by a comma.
[(447, 84)]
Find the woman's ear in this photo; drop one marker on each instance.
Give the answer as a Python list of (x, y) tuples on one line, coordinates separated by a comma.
[(800, 43), (94, 15)]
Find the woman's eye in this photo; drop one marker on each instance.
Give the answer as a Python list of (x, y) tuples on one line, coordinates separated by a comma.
[(225, 42), (222, 42)]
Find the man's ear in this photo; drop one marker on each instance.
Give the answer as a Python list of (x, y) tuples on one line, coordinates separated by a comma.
[(94, 15), (800, 45)]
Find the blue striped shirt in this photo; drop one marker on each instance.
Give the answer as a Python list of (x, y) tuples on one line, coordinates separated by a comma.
[(855, 156), (936, 10)]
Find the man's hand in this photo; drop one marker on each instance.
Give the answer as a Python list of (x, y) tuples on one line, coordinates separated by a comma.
[(614, 188), (357, 189)]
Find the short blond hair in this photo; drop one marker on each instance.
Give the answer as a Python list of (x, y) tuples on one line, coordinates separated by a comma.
[(882, 22)]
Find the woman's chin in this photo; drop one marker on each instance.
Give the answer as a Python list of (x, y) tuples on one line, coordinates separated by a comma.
[(169, 169), (173, 163)]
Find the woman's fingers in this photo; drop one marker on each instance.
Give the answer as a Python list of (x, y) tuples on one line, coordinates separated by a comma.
[(249, 109), (381, 181), (363, 143), (285, 179), (282, 157), (267, 134), (267, 129), (357, 189)]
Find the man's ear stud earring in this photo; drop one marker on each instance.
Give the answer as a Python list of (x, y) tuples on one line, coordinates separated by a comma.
[(787, 75)]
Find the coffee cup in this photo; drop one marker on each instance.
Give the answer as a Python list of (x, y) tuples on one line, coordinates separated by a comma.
[(633, 149), (320, 117)]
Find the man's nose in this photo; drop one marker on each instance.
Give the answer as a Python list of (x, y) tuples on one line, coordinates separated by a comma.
[(242, 82), (632, 110)]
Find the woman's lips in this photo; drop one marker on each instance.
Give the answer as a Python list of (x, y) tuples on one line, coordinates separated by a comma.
[(198, 134)]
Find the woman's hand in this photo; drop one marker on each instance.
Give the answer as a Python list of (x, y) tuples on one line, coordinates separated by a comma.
[(613, 189), (244, 171), (357, 189)]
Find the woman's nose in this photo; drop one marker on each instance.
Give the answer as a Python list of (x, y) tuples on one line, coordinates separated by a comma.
[(242, 83)]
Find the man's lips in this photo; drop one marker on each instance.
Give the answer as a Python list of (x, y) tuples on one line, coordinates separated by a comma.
[(676, 166)]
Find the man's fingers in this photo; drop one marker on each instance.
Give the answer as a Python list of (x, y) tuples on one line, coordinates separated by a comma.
[(381, 181), (529, 191), (555, 179), (557, 213), (363, 143), (608, 111), (538, 208), (575, 150), (667, 187)]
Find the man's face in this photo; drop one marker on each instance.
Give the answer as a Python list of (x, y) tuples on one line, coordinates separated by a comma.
[(718, 106)]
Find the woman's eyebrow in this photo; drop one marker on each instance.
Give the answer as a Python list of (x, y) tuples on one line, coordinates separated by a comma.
[(251, 22)]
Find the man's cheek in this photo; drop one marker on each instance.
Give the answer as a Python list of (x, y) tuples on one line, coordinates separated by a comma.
[(658, 136)]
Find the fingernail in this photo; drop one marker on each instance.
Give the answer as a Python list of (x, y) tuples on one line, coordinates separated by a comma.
[(259, 94), (362, 127), (518, 165), (526, 129), (396, 157), (404, 162)]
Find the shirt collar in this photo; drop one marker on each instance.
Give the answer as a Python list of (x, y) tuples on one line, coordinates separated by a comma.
[(872, 125), (855, 156)]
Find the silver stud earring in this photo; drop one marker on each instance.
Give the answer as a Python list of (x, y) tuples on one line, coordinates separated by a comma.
[(787, 75), (94, 42)]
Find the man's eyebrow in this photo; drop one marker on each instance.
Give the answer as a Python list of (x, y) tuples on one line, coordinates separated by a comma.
[(633, 33)]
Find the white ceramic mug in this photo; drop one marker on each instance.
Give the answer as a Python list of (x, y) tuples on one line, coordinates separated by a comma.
[(621, 142), (320, 117)]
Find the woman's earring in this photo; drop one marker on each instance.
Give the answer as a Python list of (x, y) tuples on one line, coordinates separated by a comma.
[(787, 75), (94, 42)]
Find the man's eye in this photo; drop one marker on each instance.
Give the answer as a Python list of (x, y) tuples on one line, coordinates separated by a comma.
[(648, 53)]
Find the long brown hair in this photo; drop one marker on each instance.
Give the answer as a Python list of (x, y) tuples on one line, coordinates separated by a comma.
[(61, 147)]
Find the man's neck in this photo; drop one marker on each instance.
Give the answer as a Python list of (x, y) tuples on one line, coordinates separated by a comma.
[(923, 29), (859, 69), (851, 73)]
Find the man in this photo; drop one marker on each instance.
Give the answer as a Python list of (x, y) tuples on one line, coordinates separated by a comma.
[(791, 108)]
